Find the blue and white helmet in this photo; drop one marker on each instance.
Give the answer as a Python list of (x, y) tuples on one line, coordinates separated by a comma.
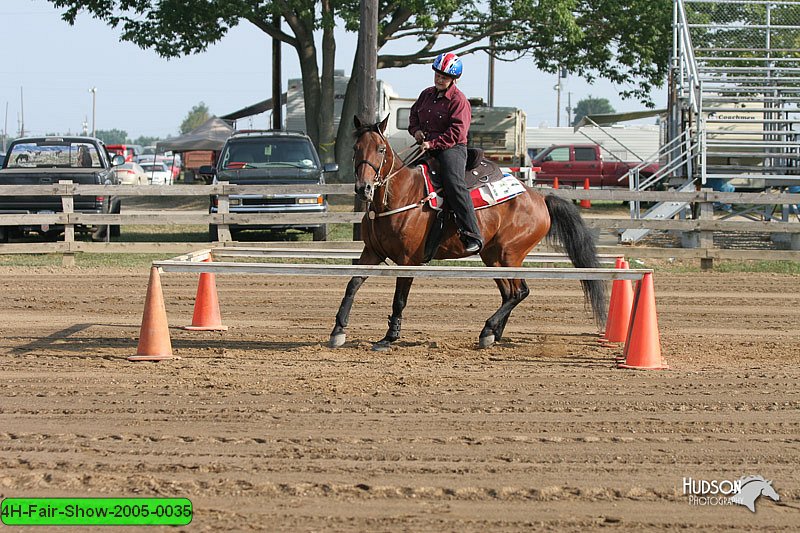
[(448, 64)]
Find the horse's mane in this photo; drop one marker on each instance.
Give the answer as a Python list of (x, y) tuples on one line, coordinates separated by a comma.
[(748, 479)]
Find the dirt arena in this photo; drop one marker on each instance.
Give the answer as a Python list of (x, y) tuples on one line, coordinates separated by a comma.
[(266, 429)]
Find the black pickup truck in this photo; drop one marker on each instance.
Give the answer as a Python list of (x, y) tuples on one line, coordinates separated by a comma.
[(271, 157), (48, 160)]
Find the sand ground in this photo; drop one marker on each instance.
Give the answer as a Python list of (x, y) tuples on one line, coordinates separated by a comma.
[(265, 428)]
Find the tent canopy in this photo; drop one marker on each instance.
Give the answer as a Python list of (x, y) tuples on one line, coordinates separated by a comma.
[(611, 118), (210, 135)]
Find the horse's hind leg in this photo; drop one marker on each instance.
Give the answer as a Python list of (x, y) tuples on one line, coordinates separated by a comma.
[(513, 292), (401, 290)]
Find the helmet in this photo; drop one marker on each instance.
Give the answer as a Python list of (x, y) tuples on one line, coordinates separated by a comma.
[(448, 64)]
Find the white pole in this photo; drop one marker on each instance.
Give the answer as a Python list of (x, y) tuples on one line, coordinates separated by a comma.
[(93, 90)]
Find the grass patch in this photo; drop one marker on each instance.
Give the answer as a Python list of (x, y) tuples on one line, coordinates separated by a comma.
[(84, 260), (690, 266)]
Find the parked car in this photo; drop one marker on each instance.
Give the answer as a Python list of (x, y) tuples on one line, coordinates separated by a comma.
[(173, 162), (48, 160), (157, 173), (573, 163), (268, 157), (129, 174)]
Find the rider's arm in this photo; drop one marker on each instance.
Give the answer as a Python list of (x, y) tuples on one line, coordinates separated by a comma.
[(456, 133), (413, 117)]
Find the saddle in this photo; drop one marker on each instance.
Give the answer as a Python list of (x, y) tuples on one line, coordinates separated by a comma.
[(479, 170)]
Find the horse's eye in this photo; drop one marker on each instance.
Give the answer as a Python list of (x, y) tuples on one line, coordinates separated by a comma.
[(381, 149)]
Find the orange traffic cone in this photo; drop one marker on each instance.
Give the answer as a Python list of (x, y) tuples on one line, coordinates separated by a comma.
[(154, 343), (643, 346), (555, 182), (611, 302), (586, 203), (206, 315), (617, 324)]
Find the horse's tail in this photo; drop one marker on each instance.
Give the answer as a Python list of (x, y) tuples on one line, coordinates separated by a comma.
[(568, 227)]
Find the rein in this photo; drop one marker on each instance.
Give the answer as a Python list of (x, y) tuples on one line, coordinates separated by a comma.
[(413, 152)]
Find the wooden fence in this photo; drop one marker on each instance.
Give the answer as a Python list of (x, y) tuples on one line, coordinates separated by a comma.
[(702, 227)]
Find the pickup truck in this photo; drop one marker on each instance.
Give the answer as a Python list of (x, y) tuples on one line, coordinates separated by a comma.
[(271, 157), (48, 160), (573, 163)]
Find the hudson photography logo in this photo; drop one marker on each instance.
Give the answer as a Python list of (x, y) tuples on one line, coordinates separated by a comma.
[(744, 491)]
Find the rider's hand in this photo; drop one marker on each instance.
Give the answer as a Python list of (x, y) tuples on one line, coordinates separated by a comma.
[(419, 136), (426, 145)]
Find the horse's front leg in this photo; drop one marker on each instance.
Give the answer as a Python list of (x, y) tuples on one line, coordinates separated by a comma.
[(338, 335), (401, 290)]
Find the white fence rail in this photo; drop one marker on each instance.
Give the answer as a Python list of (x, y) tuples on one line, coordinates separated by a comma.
[(67, 191)]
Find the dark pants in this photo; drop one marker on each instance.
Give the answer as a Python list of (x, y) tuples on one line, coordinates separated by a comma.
[(452, 165)]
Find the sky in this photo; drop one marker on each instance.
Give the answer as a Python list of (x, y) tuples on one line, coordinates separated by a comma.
[(49, 67)]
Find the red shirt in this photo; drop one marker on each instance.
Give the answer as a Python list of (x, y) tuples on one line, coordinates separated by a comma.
[(443, 118)]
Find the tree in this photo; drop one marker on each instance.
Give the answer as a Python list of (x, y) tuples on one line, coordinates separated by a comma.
[(195, 117), (625, 41), (113, 136), (592, 106), (144, 140)]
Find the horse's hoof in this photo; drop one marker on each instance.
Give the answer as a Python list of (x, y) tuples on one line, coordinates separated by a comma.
[(381, 347), (337, 340), (485, 342)]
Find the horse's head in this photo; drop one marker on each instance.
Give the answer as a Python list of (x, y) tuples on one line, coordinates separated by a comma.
[(769, 492), (370, 154)]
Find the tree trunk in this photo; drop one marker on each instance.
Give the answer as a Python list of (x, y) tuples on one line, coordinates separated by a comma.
[(344, 135), (326, 115)]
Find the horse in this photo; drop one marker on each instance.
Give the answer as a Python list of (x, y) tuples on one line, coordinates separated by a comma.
[(397, 223), (751, 488)]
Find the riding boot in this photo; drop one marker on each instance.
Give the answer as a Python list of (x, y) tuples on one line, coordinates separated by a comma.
[(452, 165), (435, 234)]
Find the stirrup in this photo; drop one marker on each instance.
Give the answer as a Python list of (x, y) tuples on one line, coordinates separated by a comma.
[(473, 246)]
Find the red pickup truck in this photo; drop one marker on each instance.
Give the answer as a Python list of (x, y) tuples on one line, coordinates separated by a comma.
[(573, 163)]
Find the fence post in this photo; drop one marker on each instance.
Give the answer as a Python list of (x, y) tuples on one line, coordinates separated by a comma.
[(224, 209), (68, 207), (701, 238)]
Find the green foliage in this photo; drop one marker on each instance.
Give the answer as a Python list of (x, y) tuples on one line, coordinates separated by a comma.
[(144, 140), (113, 136), (195, 117), (624, 41), (592, 106)]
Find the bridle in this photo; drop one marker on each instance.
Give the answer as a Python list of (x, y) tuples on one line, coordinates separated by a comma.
[(379, 180), (383, 181)]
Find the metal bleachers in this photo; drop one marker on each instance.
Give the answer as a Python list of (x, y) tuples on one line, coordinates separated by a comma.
[(734, 95)]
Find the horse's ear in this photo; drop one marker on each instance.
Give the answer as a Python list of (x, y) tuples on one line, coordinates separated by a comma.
[(357, 122), (384, 122)]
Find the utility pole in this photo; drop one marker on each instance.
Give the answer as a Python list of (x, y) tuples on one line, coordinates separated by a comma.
[(558, 102), (562, 74), (21, 114), (490, 91), (569, 108), (277, 85), (367, 65), (5, 129), (491, 72), (93, 90), (367, 62)]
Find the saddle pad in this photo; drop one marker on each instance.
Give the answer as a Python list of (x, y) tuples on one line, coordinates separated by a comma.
[(486, 195)]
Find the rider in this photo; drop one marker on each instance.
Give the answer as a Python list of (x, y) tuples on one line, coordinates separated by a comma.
[(439, 122)]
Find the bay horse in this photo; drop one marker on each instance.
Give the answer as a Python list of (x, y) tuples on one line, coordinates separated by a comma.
[(397, 223)]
